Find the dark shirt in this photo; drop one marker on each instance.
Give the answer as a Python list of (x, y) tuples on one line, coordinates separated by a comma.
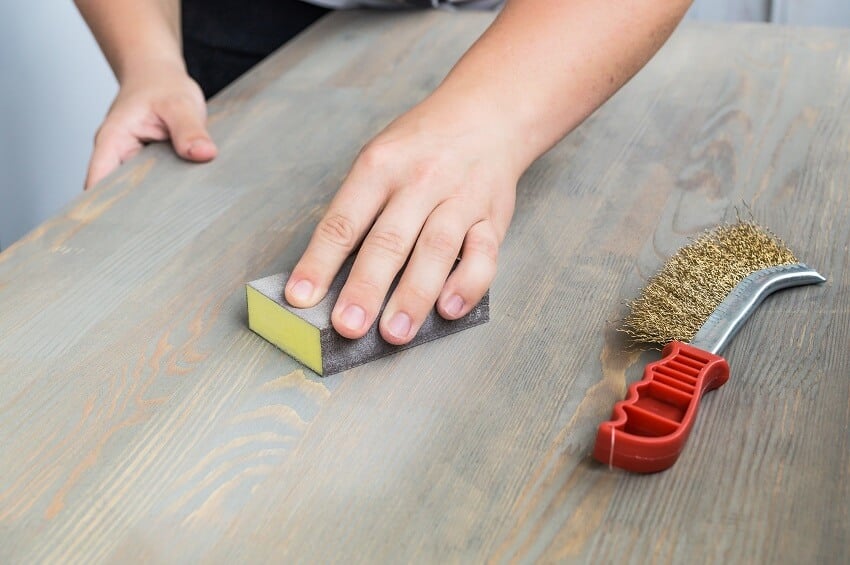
[(224, 38)]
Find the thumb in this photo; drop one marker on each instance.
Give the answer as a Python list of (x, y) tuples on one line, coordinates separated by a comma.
[(186, 123)]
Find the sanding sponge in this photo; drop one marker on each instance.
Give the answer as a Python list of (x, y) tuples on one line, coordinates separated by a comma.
[(307, 334)]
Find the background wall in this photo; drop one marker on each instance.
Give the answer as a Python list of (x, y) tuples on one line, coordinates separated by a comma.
[(794, 12), (56, 88), (54, 92)]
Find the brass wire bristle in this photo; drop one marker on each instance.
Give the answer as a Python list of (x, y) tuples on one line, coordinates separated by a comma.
[(683, 294)]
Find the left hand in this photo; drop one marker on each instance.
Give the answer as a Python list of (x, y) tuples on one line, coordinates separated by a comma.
[(434, 185)]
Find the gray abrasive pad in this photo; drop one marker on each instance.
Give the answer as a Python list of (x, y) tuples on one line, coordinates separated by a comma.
[(340, 353)]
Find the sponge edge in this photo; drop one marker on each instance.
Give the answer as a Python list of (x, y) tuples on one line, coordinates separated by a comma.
[(307, 334)]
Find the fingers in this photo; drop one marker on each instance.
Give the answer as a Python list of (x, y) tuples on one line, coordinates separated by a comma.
[(425, 275), (468, 284), (458, 224), (127, 129), (426, 214), (111, 148), (381, 257), (339, 232), (186, 122)]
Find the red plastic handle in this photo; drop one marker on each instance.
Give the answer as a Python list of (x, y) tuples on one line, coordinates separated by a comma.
[(648, 429)]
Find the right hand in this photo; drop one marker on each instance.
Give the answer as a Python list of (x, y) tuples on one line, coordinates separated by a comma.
[(156, 103)]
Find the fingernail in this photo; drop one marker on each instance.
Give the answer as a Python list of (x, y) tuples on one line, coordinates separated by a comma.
[(399, 324), (353, 317), (198, 145), (454, 305), (302, 290)]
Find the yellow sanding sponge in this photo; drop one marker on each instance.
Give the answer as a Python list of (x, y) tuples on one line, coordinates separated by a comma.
[(307, 334)]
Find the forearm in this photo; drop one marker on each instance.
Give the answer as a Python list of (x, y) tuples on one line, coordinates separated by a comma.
[(135, 34), (545, 65)]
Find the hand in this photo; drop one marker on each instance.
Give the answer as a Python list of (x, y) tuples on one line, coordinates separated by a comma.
[(432, 186), (155, 103)]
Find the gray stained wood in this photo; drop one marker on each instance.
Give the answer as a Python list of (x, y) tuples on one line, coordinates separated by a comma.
[(140, 419)]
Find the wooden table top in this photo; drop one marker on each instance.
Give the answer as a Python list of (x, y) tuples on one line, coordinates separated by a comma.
[(140, 419)]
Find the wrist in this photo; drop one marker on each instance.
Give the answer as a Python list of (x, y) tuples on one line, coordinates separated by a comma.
[(143, 70)]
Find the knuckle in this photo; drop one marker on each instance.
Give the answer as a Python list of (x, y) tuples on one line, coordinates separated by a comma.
[(195, 93), (366, 286), (338, 230), (418, 296), (388, 243), (484, 245), (439, 244), (374, 156), (424, 172)]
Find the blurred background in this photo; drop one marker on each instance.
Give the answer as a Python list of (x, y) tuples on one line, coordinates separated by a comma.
[(57, 87)]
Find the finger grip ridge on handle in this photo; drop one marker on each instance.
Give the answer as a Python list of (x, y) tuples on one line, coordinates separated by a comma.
[(648, 429)]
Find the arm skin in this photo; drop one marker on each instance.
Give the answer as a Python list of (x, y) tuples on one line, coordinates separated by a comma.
[(440, 181), (157, 100)]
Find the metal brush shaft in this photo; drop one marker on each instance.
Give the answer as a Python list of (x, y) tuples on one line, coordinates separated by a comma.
[(722, 325)]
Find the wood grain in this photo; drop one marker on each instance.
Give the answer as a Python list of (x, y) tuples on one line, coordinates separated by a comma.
[(140, 419)]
